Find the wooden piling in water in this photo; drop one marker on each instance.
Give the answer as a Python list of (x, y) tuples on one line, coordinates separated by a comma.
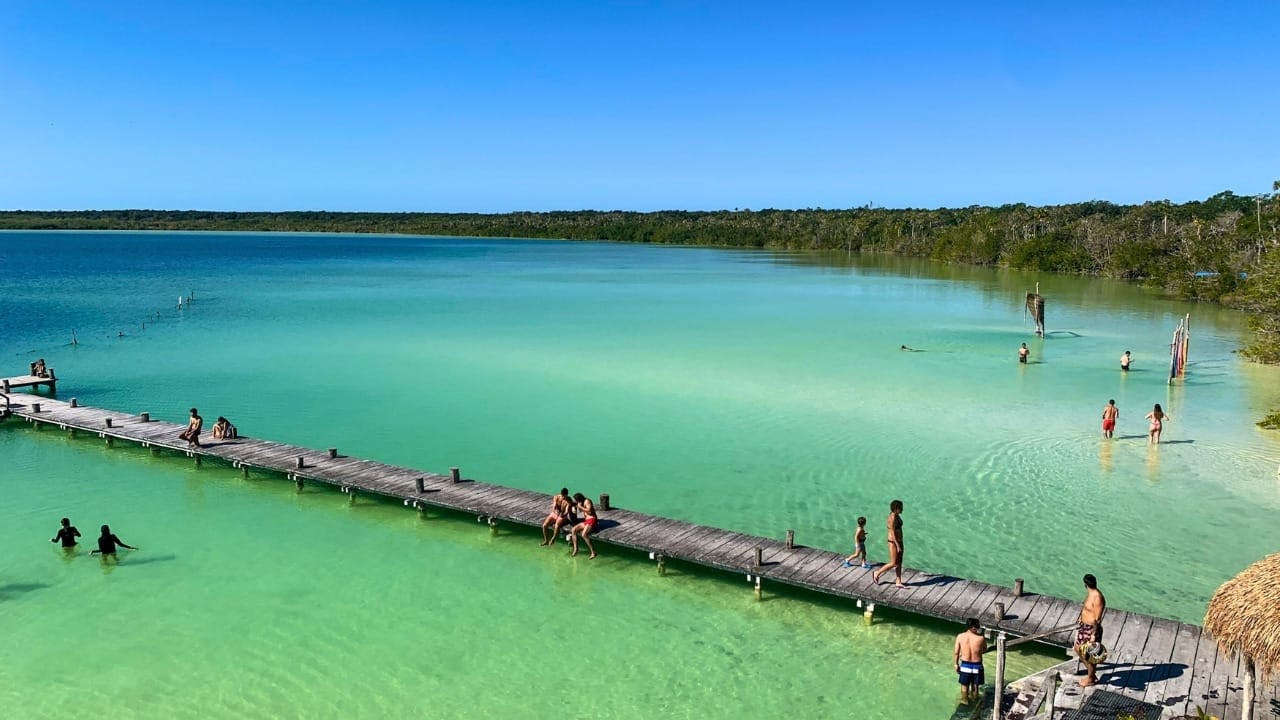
[(419, 484), (604, 502), (455, 475), (1017, 587), (333, 453), (791, 539), (144, 417)]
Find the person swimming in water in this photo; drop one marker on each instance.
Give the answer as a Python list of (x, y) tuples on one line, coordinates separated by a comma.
[(67, 534), (107, 543)]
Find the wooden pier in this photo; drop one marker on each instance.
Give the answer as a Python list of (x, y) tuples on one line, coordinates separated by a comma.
[(1166, 663)]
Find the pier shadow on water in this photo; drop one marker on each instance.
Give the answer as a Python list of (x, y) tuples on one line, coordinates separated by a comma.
[(11, 590)]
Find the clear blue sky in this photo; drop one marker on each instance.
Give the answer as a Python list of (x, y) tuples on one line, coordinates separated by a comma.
[(558, 104)]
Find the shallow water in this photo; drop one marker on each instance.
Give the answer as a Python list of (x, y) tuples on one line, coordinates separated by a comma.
[(749, 390)]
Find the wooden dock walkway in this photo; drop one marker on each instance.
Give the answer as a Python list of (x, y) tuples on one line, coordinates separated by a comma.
[(1170, 664)]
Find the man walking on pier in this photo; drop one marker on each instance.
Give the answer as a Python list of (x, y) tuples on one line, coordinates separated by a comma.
[(970, 645)]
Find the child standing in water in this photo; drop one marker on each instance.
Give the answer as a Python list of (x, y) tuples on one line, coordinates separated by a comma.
[(859, 546)]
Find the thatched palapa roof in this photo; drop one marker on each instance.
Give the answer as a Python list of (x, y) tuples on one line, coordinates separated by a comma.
[(1244, 614)]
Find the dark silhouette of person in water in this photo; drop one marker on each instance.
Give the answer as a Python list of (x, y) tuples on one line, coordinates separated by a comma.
[(67, 534), (107, 543)]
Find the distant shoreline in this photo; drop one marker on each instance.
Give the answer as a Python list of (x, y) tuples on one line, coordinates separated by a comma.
[(1211, 250)]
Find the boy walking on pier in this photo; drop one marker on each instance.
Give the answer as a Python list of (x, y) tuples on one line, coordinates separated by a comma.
[(859, 546)]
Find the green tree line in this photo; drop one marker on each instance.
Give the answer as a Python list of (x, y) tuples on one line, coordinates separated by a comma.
[(1222, 249)]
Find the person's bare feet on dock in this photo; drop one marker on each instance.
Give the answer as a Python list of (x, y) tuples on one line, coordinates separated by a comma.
[(1085, 682), (900, 586), (592, 556)]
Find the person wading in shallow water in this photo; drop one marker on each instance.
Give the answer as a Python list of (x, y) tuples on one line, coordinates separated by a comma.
[(107, 543), (1109, 415), (67, 534), (970, 645)]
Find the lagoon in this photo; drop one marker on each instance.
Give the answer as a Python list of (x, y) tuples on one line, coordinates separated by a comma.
[(755, 391)]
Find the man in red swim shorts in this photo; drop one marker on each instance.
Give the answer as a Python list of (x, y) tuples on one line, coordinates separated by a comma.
[(1109, 414)]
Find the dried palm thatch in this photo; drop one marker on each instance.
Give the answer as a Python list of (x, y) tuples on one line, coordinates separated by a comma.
[(1244, 614)]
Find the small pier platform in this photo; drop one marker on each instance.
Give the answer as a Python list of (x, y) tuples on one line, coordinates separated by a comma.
[(1172, 665), (10, 384)]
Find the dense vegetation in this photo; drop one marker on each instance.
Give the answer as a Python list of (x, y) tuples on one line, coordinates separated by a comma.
[(1225, 248)]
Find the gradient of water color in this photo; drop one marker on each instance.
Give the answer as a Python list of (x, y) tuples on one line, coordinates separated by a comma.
[(749, 390)]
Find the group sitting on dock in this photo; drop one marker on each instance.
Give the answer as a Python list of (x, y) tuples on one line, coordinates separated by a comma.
[(564, 513), (39, 369), (224, 430)]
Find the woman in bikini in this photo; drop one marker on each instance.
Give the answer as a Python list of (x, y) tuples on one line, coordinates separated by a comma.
[(585, 527), (893, 525), (1157, 418)]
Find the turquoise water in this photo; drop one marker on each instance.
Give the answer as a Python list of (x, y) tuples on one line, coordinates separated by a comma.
[(753, 391)]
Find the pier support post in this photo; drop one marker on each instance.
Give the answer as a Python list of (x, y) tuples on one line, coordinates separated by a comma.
[(759, 591), (333, 453), (109, 440), (493, 526), (422, 509), (869, 613), (791, 539), (297, 480), (604, 502), (74, 403), (1017, 587), (197, 458), (455, 475), (154, 450), (1054, 679), (144, 417), (662, 564), (996, 700), (999, 612), (244, 470), (351, 496), (418, 483), (1250, 691), (759, 558)]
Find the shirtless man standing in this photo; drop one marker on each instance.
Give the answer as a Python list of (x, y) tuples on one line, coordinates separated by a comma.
[(1110, 413), (1023, 352), (1090, 630), (970, 645), (558, 516)]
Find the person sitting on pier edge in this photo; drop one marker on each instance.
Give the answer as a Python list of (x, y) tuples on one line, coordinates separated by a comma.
[(67, 534), (39, 369), (224, 430), (585, 527), (107, 543), (558, 516), (970, 645), (192, 433)]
